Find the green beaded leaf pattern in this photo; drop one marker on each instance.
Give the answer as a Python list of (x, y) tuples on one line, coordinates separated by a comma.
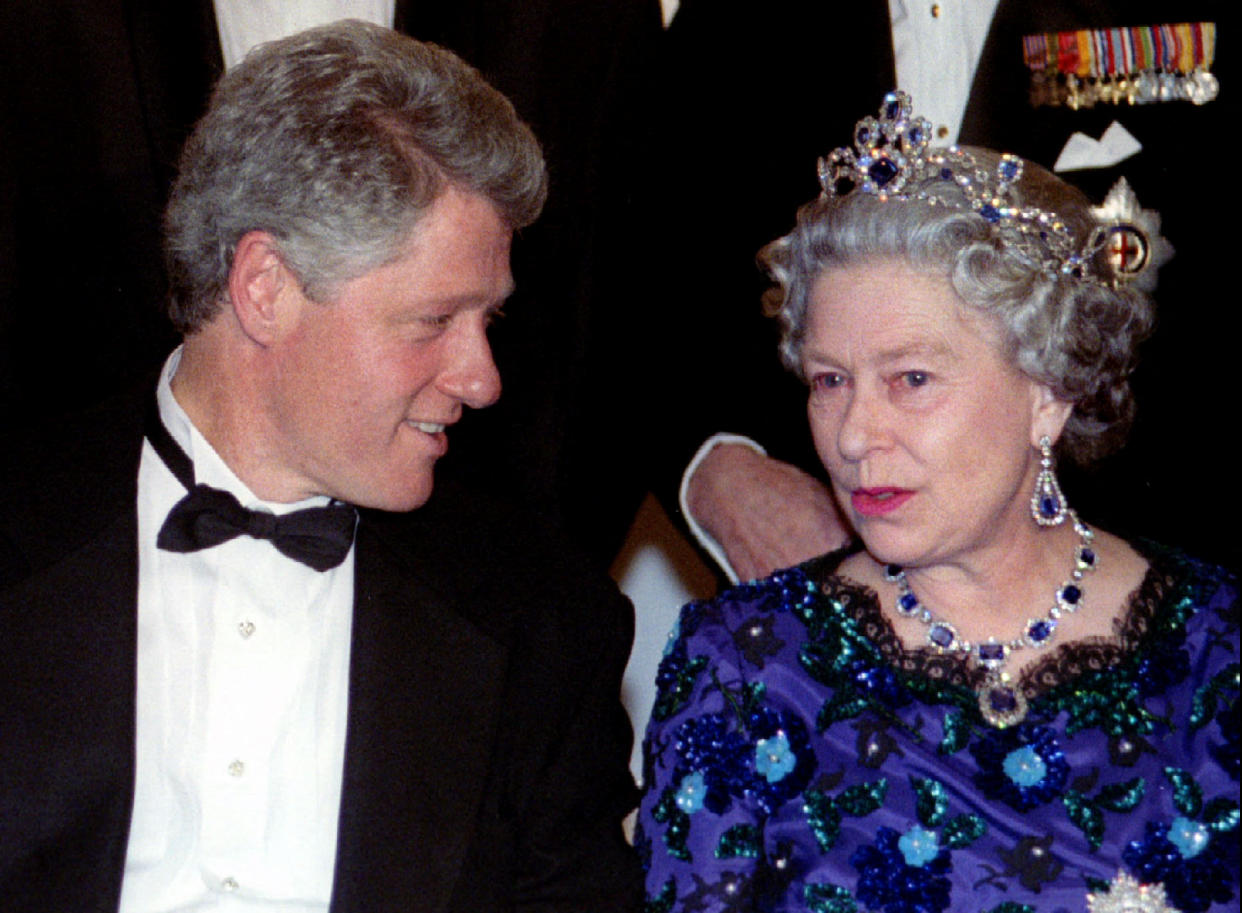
[(932, 801), (823, 818), (844, 705), (1121, 797), (1221, 815), (676, 697), (828, 898), (863, 799), (663, 902), (963, 830), (1187, 795), (1203, 705), (1110, 706), (1085, 816), (739, 841), (956, 733), (678, 830)]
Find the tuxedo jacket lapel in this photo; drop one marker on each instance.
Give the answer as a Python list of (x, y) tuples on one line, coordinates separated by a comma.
[(423, 711)]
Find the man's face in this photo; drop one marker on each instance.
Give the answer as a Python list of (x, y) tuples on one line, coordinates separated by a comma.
[(365, 385)]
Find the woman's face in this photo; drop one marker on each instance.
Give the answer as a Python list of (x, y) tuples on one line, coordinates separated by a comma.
[(927, 432)]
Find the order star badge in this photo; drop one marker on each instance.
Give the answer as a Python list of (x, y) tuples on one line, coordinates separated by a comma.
[(1131, 237), (1126, 895)]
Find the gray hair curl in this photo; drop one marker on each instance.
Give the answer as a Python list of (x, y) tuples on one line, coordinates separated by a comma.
[(336, 141), (1077, 337)]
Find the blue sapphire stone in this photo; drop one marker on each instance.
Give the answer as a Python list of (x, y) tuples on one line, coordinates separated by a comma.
[(883, 171), (946, 174), (941, 636), (891, 108), (1071, 594), (908, 604), (1002, 700), (990, 653), (1040, 631), (1087, 557), (863, 136), (916, 135), (1049, 505), (1008, 170), (990, 212)]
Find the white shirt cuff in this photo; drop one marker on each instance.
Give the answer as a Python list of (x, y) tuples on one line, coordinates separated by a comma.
[(709, 544)]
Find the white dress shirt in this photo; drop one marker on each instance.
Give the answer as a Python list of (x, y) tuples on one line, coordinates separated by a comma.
[(243, 670), (242, 24), (936, 46)]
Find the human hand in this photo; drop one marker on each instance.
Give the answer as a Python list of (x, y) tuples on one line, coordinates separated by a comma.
[(764, 513)]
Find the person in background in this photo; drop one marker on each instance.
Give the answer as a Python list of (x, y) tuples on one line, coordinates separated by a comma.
[(251, 665), (984, 702)]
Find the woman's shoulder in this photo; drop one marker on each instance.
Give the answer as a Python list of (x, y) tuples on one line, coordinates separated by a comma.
[(793, 592), (1178, 586)]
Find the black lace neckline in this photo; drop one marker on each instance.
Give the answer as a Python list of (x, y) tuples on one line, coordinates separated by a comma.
[(1058, 666)]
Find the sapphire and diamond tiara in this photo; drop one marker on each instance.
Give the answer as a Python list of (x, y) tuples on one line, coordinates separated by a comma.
[(892, 158)]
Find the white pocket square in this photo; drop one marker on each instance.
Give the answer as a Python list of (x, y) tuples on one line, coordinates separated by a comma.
[(1081, 151)]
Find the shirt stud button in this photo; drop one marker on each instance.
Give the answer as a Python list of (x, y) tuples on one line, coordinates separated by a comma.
[(245, 628), (236, 769), (229, 884)]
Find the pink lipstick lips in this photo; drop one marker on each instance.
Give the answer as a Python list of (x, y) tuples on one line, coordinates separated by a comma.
[(875, 502)]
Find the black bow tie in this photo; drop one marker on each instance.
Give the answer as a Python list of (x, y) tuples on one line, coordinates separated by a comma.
[(319, 537)]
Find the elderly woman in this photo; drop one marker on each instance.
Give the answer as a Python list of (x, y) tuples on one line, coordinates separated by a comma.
[(986, 704)]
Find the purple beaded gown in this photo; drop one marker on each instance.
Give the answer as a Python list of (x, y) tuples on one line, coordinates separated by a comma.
[(798, 758)]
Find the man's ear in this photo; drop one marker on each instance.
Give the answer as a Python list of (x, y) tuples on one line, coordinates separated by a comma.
[(1049, 415), (259, 287)]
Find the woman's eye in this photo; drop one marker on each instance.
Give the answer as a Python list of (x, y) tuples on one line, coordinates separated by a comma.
[(826, 380)]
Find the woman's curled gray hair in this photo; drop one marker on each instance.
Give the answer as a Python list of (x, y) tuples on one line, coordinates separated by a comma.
[(335, 141), (1077, 337)]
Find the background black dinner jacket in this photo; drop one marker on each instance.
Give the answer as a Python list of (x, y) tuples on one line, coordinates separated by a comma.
[(754, 99), (486, 744)]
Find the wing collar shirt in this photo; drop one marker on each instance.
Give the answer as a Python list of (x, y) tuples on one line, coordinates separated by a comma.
[(243, 665), (937, 45)]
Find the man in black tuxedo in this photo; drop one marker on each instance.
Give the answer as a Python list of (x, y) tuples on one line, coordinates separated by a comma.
[(238, 666), (745, 132), (96, 100)]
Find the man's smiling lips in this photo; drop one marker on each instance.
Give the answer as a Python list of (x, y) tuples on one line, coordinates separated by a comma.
[(875, 502)]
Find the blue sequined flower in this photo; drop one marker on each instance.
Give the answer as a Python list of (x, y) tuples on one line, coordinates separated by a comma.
[(720, 755), (773, 759), (1023, 766), (878, 681), (1192, 869), (786, 735), (887, 881), (919, 846), (691, 792)]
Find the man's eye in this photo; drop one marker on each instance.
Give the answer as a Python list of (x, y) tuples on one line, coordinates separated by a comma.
[(915, 378)]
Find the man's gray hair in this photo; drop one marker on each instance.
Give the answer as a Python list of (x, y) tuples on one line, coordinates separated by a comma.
[(1079, 338), (336, 141)]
